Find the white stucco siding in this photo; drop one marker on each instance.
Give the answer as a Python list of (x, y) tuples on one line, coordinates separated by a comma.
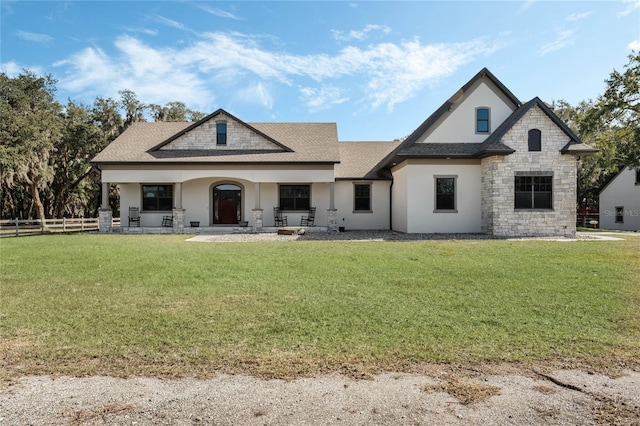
[(400, 201), (251, 173), (421, 214), (460, 124), (623, 192), (377, 218)]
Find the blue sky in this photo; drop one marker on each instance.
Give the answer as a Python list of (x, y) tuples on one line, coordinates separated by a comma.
[(378, 69)]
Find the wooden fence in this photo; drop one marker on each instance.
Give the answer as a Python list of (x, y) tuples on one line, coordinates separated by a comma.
[(17, 227)]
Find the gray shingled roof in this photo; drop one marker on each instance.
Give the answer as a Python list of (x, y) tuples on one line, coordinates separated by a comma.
[(309, 142), (409, 147), (358, 160)]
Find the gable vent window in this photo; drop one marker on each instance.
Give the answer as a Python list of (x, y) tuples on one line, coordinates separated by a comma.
[(637, 176), (535, 140), (482, 120), (221, 133)]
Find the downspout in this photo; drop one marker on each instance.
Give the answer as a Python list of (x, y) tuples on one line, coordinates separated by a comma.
[(391, 204)]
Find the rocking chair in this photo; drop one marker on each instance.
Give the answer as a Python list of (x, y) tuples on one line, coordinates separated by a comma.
[(134, 216), (279, 219), (309, 219)]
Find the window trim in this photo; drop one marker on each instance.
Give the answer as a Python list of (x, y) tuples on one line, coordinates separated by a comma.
[(280, 185), (478, 132), (370, 185), (619, 214), (455, 193), (219, 141), (539, 141), (142, 197), (533, 175)]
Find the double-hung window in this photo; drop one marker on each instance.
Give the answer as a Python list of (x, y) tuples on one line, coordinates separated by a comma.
[(295, 197), (362, 197), (445, 194), (534, 192), (157, 197), (483, 120)]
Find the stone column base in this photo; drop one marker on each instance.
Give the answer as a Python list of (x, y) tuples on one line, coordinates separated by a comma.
[(178, 218), (257, 220), (105, 220), (332, 220)]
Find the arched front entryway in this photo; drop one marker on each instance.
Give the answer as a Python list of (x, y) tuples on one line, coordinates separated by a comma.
[(227, 204)]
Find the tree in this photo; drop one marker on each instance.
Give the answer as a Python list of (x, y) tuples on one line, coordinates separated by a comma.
[(174, 111), (619, 110), (30, 127), (106, 115), (133, 109), (81, 140)]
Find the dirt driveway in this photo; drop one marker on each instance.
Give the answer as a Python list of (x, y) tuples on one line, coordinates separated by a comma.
[(560, 397)]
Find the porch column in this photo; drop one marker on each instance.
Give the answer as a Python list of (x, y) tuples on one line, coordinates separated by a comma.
[(257, 212), (178, 218), (332, 192), (177, 196), (178, 211), (104, 204), (105, 215), (332, 212)]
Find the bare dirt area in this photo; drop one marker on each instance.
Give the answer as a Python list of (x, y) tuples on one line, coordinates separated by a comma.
[(566, 396)]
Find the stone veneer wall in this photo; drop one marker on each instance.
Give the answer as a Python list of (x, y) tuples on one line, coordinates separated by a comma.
[(499, 217), (238, 137)]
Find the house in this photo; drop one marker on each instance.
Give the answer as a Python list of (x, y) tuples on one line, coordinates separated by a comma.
[(620, 201), (482, 162)]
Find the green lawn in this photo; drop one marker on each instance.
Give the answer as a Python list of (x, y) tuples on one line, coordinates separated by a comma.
[(157, 305)]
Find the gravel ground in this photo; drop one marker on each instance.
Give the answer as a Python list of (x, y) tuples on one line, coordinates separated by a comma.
[(563, 397), (375, 236)]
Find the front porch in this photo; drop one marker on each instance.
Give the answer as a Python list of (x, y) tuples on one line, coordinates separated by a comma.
[(219, 205)]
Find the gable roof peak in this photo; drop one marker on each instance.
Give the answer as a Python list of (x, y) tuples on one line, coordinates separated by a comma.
[(209, 117)]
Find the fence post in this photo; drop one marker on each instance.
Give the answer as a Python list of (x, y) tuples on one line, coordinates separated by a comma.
[(64, 224), (42, 225), (82, 223), (17, 229)]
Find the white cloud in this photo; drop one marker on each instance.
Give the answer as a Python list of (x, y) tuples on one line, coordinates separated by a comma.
[(230, 63), (152, 74), (34, 37), (323, 98), (632, 5), (578, 16), (562, 40), (526, 5), (217, 12), (359, 34), (257, 94), (146, 31), (11, 68), (169, 22), (635, 45)]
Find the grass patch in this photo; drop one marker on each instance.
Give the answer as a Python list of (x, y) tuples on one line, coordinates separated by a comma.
[(465, 391), (157, 305)]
